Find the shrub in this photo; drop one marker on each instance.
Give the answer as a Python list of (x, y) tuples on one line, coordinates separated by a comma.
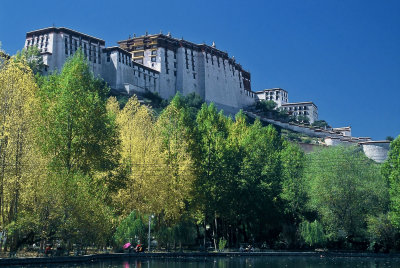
[(313, 233)]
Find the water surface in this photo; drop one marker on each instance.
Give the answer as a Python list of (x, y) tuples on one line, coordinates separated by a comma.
[(236, 262)]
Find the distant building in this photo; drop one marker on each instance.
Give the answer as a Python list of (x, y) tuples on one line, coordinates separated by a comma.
[(308, 109), (156, 63), (281, 98), (113, 64), (187, 67), (278, 95)]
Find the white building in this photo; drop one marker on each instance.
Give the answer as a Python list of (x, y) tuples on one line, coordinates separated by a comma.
[(281, 98), (113, 64), (188, 67), (278, 95), (308, 109)]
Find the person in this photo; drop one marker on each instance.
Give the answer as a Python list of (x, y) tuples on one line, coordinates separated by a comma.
[(47, 251), (139, 248)]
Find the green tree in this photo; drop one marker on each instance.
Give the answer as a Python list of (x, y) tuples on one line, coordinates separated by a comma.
[(391, 171), (33, 59), (345, 188), (78, 137), (76, 129), (293, 185), (131, 229)]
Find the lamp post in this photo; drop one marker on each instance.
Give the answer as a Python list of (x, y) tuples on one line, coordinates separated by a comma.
[(150, 217)]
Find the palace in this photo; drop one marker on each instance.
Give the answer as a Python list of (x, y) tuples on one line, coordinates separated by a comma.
[(165, 65), (156, 63)]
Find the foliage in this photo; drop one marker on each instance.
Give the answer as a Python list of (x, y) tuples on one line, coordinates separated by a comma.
[(345, 188), (391, 172), (313, 233), (131, 229), (80, 168), (320, 124), (222, 244), (293, 185), (381, 232), (19, 171), (76, 128), (33, 59)]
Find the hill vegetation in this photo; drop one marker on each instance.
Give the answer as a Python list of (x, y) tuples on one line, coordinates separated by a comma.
[(78, 167)]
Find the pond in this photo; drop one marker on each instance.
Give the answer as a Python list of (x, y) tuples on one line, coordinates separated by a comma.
[(236, 262)]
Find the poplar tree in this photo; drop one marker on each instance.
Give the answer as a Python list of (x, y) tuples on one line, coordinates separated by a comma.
[(78, 137), (19, 165)]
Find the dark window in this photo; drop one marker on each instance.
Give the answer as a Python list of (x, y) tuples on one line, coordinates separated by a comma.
[(174, 73), (167, 71), (138, 54), (153, 59), (108, 56), (154, 52), (194, 76)]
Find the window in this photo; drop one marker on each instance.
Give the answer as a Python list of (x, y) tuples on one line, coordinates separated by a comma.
[(194, 76), (139, 61), (139, 48), (108, 56), (66, 46), (138, 54), (119, 57), (153, 59), (174, 73), (174, 64), (154, 52)]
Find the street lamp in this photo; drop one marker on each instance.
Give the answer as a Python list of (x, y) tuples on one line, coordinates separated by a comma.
[(150, 217)]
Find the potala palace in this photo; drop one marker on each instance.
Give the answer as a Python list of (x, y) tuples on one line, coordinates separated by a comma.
[(166, 65)]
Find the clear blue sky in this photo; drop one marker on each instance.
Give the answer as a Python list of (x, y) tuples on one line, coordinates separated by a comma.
[(344, 55)]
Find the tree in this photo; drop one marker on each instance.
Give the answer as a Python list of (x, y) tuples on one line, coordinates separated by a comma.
[(293, 184), (19, 166), (131, 229), (140, 156), (33, 59), (212, 128), (391, 171), (76, 129), (78, 137), (176, 130), (345, 188)]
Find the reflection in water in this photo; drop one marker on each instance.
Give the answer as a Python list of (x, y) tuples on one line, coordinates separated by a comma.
[(236, 262)]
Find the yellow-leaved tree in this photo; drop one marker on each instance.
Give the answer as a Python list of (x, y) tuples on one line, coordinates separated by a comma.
[(20, 166)]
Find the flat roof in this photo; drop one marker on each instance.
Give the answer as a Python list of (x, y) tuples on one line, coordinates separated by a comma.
[(372, 142), (65, 30), (299, 103)]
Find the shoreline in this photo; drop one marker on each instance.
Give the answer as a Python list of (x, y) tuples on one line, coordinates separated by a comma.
[(172, 255)]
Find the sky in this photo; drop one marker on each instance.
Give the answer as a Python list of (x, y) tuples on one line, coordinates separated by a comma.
[(344, 55)]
